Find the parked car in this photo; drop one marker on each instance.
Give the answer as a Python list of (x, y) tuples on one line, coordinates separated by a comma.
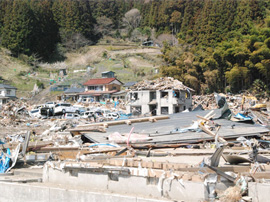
[(50, 104), (87, 114), (46, 111), (112, 115), (71, 116), (35, 113), (80, 108), (63, 108)]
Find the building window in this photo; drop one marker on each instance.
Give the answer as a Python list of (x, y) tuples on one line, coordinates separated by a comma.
[(134, 96), (187, 95), (137, 110), (8, 92), (164, 110), (94, 88), (152, 96), (176, 94), (164, 94)]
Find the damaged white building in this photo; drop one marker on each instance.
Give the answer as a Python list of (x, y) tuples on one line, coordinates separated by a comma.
[(160, 96)]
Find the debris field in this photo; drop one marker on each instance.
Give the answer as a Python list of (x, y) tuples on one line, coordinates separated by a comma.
[(221, 147)]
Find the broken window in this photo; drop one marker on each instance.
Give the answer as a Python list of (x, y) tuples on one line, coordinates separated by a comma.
[(152, 96), (176, 94), (134, 96), (137, 110), (187, 95), (164, 110), (164, 94)]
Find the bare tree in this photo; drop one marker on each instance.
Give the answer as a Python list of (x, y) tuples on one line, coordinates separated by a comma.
[(34, 59), (104, 26), (132, 19), (76, 41), (137, 35), (171, 40)]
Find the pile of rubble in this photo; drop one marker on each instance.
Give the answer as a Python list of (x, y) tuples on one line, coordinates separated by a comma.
[(14, 112), (161, 84), (206, 102)]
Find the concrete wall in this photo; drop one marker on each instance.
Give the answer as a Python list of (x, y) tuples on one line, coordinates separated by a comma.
[(259, 191), (128, 185), (4, 92), (169, 101), (11, 192)]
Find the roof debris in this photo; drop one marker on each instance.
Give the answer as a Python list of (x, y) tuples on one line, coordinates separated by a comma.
[(163, 83)]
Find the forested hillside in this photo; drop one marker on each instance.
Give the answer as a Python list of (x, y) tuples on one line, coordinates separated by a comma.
[(221, 45)]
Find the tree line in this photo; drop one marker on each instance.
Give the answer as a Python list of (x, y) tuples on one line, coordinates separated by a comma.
[(221, 45)]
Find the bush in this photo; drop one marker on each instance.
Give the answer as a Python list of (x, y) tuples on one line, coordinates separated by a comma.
[(40, 84), (105, 54)]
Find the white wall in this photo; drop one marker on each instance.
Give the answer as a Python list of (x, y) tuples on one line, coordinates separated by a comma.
[(169, 101), (4, 92)]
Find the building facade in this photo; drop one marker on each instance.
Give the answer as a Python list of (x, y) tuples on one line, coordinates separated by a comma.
[(159, 102), (101, 89), (172, 97)]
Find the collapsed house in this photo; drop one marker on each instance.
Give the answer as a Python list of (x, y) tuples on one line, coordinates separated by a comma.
[(160, 96)]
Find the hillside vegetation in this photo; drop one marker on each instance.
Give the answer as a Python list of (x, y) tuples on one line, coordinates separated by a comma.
[(211, 45)]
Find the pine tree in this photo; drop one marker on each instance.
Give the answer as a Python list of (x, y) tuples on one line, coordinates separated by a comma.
[(45, 33), (17, 29)]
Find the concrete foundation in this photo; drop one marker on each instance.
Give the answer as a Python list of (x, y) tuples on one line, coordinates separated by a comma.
[(11, 192), (170, 189)]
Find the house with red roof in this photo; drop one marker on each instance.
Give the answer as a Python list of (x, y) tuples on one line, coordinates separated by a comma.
[(101, 89)]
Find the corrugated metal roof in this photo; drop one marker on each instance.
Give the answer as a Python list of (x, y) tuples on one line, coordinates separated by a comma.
[(5, 86), (184, 120), (131, 83)]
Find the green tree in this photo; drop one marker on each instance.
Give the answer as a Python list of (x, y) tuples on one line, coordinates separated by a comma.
[(17, 29)]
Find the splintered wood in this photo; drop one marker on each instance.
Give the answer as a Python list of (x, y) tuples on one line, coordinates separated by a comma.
[(203, 124)]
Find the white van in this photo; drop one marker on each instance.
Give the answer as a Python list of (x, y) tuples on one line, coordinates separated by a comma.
[(63, 108)]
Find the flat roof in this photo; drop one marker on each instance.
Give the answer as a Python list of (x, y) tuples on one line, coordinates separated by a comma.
[(180, 121)]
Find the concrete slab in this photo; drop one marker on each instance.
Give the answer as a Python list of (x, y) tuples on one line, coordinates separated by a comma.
[(11, 192), (20, 193), (259, 191)]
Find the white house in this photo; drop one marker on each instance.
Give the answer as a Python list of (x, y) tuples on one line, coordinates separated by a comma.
[(7, 92), (161, 96)]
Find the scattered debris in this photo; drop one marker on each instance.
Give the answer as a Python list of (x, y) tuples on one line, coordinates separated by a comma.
[(158, 148)]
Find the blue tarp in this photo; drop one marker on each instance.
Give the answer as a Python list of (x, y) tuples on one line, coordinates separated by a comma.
[(243, 117), (4, 161)]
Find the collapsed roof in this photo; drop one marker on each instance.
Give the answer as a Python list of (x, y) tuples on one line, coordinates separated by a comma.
[(162, 83)]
